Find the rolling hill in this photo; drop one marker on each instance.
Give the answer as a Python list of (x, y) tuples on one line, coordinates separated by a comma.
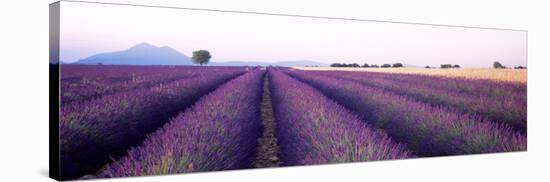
[(141, 54)]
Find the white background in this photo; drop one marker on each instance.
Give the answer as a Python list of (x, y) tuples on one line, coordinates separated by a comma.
[(24, 90)]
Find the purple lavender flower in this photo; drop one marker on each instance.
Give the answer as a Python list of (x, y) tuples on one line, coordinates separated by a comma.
[(312, 129), (218, 133), (426, 129)]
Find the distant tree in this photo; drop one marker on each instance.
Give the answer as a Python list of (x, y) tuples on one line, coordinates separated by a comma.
[(386, 65), (397, 65), (355, 65), (427, 67), (366, 65), (374, 66), (456, 66), (497, 65), (520, 67), (201, 57), (444, 66), (100, 63)]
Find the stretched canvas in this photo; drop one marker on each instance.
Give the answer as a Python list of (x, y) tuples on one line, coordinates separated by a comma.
[(141, 90)]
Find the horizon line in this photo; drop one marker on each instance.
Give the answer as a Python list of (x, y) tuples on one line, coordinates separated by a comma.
[(273, 61)]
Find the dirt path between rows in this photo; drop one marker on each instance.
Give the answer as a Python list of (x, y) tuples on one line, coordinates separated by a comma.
[(268, 150)]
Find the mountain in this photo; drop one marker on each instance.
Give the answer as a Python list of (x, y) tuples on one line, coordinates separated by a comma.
[(141, 54), (280, 63)]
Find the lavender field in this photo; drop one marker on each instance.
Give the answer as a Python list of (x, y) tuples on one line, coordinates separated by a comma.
[(119, 121)]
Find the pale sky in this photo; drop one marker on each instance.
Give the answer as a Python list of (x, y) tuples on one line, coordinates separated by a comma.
[(88, 29)]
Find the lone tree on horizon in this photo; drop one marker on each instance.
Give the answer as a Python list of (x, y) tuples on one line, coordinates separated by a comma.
[(201, 57)]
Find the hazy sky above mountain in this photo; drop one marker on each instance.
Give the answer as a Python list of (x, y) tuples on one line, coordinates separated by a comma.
[(88, 29)]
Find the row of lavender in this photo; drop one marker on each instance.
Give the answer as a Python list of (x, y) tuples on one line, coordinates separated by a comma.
[(496, 101), (313, 129), (426, 129), (93, 131), (218, 133), (86, 82)]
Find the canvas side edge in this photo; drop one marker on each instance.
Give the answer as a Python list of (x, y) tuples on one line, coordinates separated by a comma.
[(54, 67)]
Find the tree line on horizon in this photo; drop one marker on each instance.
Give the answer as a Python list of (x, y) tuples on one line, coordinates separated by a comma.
[(202, 57), (355, 65), (496, 65)]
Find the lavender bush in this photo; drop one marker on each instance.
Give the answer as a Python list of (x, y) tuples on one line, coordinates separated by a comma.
[(428, 130), (86, 82), (93, 131), (312, 129), (218, 133), (501, 105)]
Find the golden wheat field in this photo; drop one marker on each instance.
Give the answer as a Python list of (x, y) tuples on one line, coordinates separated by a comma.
[(510, 75)]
